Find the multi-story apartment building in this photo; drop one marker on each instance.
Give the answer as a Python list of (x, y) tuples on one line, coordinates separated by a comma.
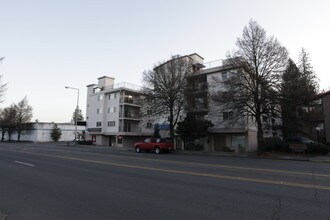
[(224, 133), (313, 118), (114, 119), (113, 114)]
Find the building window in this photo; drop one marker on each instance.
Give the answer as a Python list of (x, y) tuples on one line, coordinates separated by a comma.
[(99, 97), (238, 141), (227, 115), (112, 110), (113, 96), (98, 124), (111, 123), (99, 111), (224, 76), (149, 125)]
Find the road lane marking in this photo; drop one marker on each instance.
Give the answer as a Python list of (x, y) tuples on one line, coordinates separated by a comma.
[(274, 182), (217, 176), (201, 164), (23, 163)]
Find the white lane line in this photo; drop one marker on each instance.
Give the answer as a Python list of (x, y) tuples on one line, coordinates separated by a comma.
[(27, 164)]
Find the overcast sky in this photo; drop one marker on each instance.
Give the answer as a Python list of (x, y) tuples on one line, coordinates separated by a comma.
[(50, 44)]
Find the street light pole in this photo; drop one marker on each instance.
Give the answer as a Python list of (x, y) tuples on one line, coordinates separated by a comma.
[(318, 134), (76, 113)]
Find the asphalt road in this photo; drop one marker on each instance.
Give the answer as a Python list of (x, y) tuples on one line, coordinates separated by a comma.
[(39, 182)]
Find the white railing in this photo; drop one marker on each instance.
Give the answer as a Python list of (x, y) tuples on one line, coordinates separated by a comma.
[(213, 63)]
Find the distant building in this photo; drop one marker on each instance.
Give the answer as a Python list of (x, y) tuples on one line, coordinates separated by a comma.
[(113, 114), (40, 132)]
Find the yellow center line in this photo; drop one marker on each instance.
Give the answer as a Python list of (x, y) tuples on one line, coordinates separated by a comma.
[(245, 179), (212, 165)]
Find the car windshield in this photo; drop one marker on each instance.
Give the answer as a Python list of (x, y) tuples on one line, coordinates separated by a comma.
[(305, 140)]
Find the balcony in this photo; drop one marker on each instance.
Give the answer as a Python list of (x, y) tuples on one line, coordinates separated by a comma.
[(131, 101), (197, 88), (127, 128), (129, 115)]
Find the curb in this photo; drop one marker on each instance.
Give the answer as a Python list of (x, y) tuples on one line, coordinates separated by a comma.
[(256, 157)]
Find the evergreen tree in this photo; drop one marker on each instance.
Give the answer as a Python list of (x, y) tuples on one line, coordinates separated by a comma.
[(292, 92), (299, 85), (308, 75), (56, 133), (191, 129)]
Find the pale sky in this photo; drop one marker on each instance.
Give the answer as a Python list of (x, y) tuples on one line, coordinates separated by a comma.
[(50, 44)]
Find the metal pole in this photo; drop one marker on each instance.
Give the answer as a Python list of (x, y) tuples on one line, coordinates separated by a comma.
[(76, 134), (76, 114)]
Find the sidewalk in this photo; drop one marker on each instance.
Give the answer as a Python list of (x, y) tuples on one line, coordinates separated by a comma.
[(267, 155)]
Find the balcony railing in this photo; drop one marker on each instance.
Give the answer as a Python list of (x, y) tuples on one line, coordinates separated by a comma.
[(200, 87), (129, 128), (129, 101), (131, 115)]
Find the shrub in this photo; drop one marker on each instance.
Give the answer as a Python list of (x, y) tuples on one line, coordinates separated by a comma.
[(316, 148), (85, 142), (194, 147), (241, 149), (273, 144), (227, 149), (56, 133)]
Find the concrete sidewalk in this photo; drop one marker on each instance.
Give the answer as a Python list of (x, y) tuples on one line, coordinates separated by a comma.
[(267, 155)]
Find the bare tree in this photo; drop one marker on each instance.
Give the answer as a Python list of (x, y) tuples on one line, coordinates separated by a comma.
[(3, 87), (80, 116), (23, 115), (253, 86), (164, 89), (7, 121)]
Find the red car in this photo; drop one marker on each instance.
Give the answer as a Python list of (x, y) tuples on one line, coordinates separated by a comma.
[(156, 144)]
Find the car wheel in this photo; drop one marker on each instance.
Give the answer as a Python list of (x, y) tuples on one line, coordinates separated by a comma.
[(157, 150), (137, 149)]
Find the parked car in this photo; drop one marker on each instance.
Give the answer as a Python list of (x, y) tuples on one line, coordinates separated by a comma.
[(155, 144), (301, 140), (305, 144)]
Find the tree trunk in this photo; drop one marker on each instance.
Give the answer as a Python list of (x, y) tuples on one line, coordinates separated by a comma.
[(3, 133), (18, 135), (171, 124), (260, 135)]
